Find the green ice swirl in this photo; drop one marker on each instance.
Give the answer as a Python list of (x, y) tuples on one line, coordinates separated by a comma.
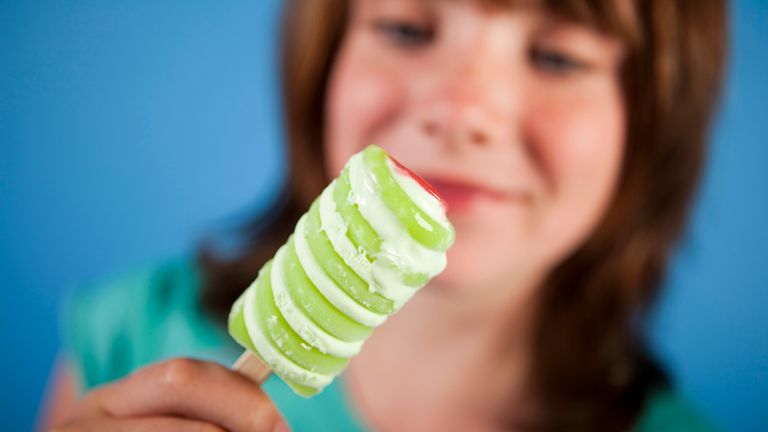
[(366, 245)]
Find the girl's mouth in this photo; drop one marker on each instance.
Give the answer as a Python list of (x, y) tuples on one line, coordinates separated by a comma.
[(459, 195)]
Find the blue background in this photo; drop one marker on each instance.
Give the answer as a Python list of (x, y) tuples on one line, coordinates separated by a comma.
[(128, 129)]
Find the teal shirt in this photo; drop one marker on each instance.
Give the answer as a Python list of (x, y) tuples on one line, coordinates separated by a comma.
[(113, 328)]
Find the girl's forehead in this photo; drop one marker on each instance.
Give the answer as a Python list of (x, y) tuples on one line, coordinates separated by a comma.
[(615, 17), (489, 3)]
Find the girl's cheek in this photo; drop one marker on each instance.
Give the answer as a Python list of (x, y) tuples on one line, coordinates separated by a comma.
[(577, 131), (580, 148), (363, 101)]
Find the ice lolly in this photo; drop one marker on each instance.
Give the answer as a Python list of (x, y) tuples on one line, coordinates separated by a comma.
[(374, 236)]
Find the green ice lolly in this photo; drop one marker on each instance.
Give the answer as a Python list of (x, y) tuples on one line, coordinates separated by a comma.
[(375, 235)]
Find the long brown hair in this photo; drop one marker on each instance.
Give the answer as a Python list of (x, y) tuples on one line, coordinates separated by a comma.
[(589, 367)]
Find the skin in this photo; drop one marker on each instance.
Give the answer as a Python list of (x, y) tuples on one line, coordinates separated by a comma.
[(174, 395), (517, 119)]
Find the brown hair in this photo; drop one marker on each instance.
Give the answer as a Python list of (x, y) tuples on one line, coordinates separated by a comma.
[(589, 367)]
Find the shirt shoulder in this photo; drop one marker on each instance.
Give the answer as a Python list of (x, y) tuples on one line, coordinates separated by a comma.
[(667, 411), (114, 326)]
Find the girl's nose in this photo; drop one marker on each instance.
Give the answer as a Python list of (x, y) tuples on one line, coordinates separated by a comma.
[(472, 108), (459, 124)]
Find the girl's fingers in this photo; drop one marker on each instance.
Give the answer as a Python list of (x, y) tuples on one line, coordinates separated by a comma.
[(188, 388), (148, 424)]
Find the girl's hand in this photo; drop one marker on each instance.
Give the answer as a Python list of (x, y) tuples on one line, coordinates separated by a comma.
[(176, 395)]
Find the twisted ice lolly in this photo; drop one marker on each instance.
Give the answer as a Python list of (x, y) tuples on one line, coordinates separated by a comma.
[(375, 235)]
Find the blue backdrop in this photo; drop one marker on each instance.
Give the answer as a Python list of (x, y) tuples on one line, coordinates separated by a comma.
[(127, 129)]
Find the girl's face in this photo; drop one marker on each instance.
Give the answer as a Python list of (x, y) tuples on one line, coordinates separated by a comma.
[(515, 116)]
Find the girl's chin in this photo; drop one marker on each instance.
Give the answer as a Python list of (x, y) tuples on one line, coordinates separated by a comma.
[(456, 279), (470, 275)]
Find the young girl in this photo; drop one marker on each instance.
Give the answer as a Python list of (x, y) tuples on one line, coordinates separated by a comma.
[(567, 139)]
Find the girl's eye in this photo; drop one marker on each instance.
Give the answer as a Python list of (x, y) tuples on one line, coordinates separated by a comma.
[(404, 33), (556, 62)]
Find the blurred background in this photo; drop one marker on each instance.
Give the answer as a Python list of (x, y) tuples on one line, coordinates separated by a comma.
[(129, 129)]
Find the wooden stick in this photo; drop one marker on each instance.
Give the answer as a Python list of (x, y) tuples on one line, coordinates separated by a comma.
[(252, 366)]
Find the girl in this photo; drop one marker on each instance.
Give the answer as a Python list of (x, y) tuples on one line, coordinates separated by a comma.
[(567, 138)]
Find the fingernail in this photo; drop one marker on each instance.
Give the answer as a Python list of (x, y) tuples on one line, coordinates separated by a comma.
[(282, 426)]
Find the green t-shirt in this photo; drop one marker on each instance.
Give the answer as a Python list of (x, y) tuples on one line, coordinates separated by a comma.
[(113, 328)]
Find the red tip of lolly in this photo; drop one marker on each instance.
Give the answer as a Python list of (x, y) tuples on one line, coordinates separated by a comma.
[(425, 184)]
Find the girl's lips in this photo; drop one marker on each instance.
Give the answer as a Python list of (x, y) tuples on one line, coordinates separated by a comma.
[(459, 194), (454, 194)]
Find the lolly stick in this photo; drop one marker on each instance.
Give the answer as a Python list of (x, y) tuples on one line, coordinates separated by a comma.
[(253, 367)]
